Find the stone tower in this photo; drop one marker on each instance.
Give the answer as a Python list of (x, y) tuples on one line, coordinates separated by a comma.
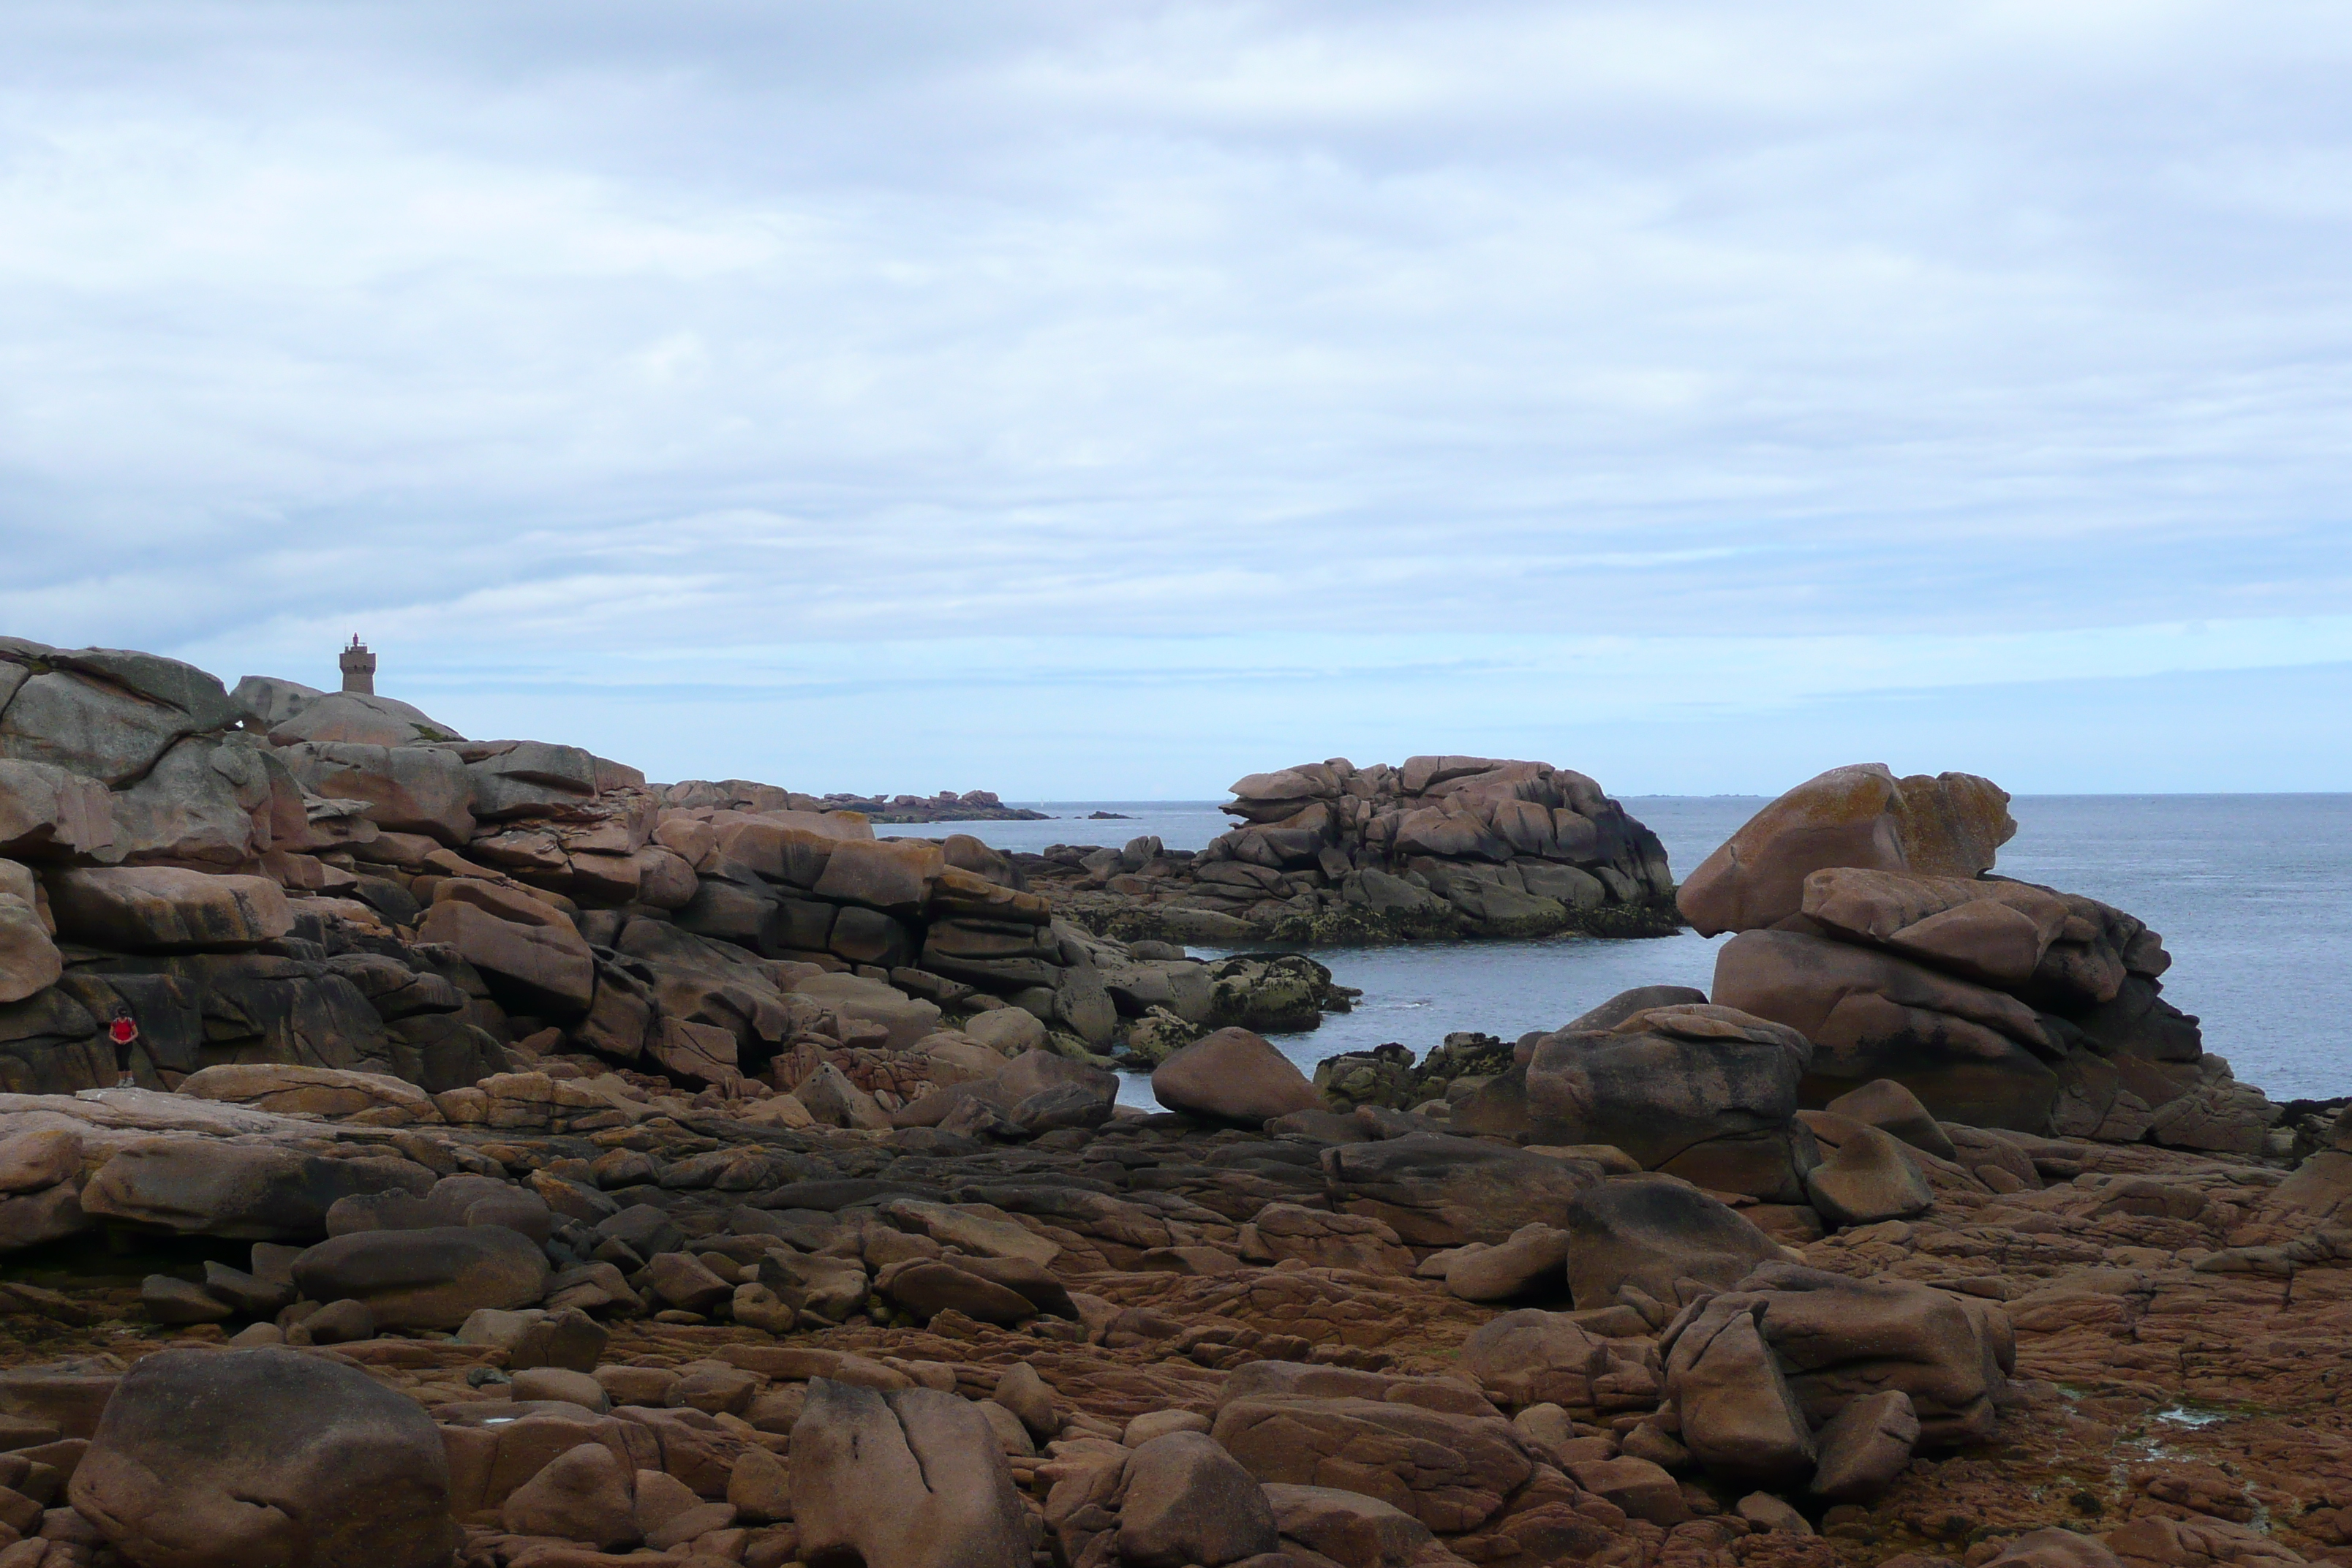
[(359, 669)]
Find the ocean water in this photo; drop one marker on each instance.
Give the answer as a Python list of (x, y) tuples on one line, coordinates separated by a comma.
[(2252, 893)]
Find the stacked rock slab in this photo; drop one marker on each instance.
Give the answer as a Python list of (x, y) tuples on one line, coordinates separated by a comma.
[(337, 880), (1869, 920), (1327, 852)]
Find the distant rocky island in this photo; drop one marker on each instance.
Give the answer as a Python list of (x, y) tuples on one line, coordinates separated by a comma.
[(1327, 854), (972, 805), (428, 1152)]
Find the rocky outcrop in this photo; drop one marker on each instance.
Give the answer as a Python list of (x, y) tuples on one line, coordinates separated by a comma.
[(1328, 853), (1869, 921), (336, 882)]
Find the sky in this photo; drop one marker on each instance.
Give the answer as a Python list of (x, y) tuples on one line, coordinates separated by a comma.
[(1105, 402)]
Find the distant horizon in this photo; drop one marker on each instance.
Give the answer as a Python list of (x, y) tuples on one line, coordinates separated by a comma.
[(1039, 803), (2250, 722), (1695, 396)]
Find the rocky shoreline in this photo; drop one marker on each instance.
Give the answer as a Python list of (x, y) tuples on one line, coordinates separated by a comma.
[(530, 1167)]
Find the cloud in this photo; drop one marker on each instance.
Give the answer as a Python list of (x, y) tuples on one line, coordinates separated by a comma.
[(612, 350)]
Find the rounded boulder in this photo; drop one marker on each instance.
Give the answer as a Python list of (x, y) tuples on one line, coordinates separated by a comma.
[(265, 1459), (1232, 1075), (432, 1279)]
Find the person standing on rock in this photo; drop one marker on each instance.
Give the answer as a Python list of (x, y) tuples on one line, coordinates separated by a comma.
[(124, 1032)]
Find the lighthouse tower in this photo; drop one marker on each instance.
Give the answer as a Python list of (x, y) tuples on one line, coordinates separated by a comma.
[(359, 669)]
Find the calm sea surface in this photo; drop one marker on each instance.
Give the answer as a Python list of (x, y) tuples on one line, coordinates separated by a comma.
[(2253, 892)]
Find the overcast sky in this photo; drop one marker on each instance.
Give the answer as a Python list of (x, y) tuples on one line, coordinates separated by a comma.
[(1103, 401)]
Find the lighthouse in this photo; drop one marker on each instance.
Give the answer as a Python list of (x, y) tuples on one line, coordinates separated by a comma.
[(359, 669)]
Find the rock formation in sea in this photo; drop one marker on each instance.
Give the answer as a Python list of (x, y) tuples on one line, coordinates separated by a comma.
[(1870, 919), (972, 805), (1329, 854), (483, 1211)]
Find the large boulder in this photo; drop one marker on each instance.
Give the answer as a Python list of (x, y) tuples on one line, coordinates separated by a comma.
[(1038, 1092), (238, 1191), (926, 1289), (269, 701), (215, 803), (1971, 1054), (1435, 1190), (1232, 1075), (910, 1479), (1625, 1003), (514, 779), (458, 1200), (265, 1459), (1186, 1500), (1997, 932), (1737, 1414), (163, 909), (46, 810), (344, 718), (1526, 1262), (1862, 817), (50, 1044), (292, 1090), (49, 1214), (1867, 1177), (1892, 1108), (890, 875), (908, 1018), (40, 1158), (29, 959), (1661, 1236), (530, 945), (583, 1494), (406, 789), (427, 1279), (1353, 1530), (1864, 1446), (1534, 1357), (104, 714), (2056, 1547), (1451, 1469), (1706, 1092), (1838, 1340)]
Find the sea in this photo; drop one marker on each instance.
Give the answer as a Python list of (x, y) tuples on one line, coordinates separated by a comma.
[(2253, 894)]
